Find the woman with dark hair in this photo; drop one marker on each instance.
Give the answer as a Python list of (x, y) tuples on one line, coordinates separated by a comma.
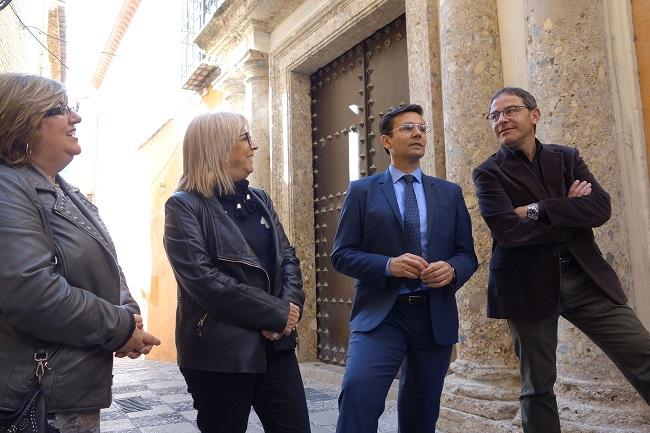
[(62, 291), (239, 286)]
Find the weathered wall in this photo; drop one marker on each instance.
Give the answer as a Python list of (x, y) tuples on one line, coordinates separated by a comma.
[(19, 51), (164, 153), (641, 19)]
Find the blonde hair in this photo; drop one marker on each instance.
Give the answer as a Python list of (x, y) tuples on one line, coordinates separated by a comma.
[(208, 141), (24, 100)]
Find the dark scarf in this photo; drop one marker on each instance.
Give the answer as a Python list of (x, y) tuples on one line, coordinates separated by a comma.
[(241, 200)]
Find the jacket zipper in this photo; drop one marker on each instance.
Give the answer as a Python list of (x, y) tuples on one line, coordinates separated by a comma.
[(201, 322), (199, 325), (268, 279)]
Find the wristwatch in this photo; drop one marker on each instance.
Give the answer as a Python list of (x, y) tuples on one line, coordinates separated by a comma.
[(532, 211)]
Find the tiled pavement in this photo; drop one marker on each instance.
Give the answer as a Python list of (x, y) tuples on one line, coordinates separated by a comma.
[(162, 391)]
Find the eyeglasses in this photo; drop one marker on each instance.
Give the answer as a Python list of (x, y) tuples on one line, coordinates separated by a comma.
[(409, 127), (62, 110), (508, 112), (249, 139)]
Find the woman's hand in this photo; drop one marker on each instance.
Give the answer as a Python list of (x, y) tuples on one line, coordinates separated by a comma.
[(140, 342), (292, 321), (270, 335)]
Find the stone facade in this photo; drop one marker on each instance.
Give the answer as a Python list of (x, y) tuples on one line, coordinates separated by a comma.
[(576, 57)]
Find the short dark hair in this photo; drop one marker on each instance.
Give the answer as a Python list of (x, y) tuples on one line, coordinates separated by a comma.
[(526, 97), (386, 124)]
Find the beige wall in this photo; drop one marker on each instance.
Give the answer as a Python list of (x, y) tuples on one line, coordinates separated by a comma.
[(641, 19), (164, 151)]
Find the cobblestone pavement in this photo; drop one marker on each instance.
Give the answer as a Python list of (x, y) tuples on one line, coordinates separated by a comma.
[(151, 397)]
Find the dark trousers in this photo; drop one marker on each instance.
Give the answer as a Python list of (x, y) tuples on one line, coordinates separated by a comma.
[(614, 328), (224, 400), (404, 338)]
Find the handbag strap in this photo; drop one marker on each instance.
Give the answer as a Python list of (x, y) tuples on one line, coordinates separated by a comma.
[(40, 347)]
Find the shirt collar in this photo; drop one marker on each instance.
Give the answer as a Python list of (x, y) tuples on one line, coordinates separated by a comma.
[(397, 174), (538, 148)]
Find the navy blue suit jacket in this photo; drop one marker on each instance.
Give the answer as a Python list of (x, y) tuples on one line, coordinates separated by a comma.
[(370, 232)]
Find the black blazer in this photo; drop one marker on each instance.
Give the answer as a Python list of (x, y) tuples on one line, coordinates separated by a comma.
[(224, 294), (524, 280)]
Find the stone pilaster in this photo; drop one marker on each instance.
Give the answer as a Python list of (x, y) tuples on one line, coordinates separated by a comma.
[(481, 392), (568, 69), (292, 185), (423, 45), (234, 92), (301, 196), (255, 68)]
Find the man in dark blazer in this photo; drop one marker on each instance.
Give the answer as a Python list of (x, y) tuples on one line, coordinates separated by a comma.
[(407, 240), (541, 202)]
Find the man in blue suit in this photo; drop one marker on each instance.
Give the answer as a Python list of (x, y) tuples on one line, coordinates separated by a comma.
[(407, 239)]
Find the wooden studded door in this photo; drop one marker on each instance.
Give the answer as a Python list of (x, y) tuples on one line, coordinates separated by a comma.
[(349, 96)]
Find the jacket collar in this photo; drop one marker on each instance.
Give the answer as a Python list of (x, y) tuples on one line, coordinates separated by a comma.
[(233, 247), (36, 178), (551, 162)]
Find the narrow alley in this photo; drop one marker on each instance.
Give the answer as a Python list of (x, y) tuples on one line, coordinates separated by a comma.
[(151, 397)]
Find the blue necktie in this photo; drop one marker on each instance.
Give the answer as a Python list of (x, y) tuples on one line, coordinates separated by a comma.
[(411, 225), (411, 218)]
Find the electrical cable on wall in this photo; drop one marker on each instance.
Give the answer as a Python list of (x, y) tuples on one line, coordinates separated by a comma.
[(34, 36), (4, 3), (46, 34)]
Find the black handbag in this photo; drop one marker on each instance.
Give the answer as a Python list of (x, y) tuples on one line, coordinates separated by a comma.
[(31, 417)]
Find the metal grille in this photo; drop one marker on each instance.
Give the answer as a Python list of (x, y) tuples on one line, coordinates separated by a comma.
[(132, 404), (349, 96), (196, 13)]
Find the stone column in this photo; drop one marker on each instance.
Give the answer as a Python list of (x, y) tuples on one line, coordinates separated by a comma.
[(255, 68), (569, 74), (423, 45), (481, 392), (234, 91), (424, 77)]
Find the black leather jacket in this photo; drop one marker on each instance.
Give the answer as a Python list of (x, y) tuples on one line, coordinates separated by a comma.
[(224, 296)]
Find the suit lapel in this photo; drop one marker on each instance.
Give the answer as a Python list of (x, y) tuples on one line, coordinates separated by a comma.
[(521, 174), (430, 194), (552, 172), (386, 183)]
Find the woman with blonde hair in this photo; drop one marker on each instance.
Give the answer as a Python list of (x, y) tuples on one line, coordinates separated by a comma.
[(239, 286), (63, 298)]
